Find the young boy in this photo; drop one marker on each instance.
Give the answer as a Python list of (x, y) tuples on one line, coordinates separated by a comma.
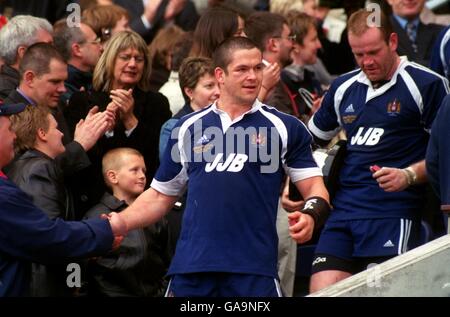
[(138, 266)]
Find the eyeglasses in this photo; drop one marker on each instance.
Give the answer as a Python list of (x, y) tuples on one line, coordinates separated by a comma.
[(127, 58), (289, 37), (97, 40)]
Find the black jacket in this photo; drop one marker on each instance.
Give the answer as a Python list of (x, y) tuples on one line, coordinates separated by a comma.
[(75, 80), (74, 158), (137, 267), (40, 177), (150, 108), (72, 161), (186, 19), (52, 10), (426, 36), (9, 80)]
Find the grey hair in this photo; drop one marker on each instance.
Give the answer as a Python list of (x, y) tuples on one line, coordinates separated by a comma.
[(21, 30), (64, 37)]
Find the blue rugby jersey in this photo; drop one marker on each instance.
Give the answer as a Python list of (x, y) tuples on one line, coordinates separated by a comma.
[(388, 126), (230, 216), (440, 57)]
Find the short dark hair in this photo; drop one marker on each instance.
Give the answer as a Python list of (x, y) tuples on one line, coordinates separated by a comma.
[(38, 57), (64, 36), (223, 54), (261, 26), (191, 70)]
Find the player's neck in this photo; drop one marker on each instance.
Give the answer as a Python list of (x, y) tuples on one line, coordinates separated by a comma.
[(390, 74), (233, 108), (394, 68)]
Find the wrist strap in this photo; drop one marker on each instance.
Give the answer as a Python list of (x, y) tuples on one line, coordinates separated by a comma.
[(318, 208), (411, 175)]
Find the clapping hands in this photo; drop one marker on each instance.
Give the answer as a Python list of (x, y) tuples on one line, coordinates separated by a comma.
[(123, 104)]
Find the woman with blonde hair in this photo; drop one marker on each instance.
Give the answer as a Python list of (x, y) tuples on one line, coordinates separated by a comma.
[(121, 85)]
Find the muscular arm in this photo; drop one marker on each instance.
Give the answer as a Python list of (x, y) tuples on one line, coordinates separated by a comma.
[(148, 208), (302, 225), (312, 186)]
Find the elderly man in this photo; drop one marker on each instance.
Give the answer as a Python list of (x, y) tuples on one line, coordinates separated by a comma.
[(15, 37)]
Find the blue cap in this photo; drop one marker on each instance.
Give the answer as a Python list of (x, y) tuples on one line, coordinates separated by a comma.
[(13, 108)]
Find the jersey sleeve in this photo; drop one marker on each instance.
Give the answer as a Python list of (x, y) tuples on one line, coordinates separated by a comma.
[(171, 176), (325, 123), (440, 52), (27, 233), (299, 162), (438, 151), (433, 94)]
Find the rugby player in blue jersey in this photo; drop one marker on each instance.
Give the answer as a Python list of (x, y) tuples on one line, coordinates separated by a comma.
[(235, 154), (386, 109)]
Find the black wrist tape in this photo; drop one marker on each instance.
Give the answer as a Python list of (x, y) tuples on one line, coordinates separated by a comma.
[(318, 208)]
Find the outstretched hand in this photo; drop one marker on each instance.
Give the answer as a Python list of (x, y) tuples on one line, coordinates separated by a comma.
[(118, 227)]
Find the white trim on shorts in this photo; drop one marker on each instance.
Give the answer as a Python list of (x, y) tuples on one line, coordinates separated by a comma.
[(278, 287), (405, 232)]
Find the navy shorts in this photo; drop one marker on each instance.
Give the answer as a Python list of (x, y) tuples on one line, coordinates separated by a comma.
[(219, 284), (368, 238)]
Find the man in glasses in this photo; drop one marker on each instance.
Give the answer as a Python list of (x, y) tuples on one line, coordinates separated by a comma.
[(81, 49)]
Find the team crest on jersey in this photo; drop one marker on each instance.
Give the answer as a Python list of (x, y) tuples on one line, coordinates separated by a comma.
[(258, 140), (394, 107), (348, 119)]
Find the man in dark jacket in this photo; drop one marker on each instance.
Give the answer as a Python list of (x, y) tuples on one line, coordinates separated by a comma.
[(81, 48), (18, 34), (43, 72), (415, 39), (36, 172), (26, 232)]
